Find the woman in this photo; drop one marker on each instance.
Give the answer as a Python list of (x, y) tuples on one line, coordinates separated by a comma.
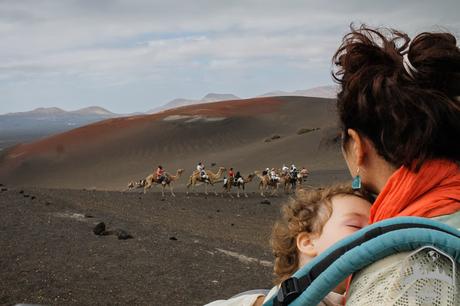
[(399, 108)]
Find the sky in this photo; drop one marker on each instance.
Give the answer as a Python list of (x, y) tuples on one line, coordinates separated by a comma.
[(134, 55)]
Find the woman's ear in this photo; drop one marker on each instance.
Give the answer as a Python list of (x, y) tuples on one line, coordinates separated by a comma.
[(305, 245), (358, 146)]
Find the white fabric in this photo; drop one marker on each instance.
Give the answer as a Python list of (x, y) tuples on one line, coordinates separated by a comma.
[(332, 299), (424, 277), (243, 300)]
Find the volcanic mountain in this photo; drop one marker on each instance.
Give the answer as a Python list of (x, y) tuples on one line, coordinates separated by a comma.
[(247, 135), (210, 97)]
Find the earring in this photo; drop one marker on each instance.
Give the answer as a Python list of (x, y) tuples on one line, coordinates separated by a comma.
[(356, 183)]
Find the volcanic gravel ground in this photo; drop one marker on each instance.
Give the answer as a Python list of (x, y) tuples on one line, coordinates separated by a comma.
[(185, 250)]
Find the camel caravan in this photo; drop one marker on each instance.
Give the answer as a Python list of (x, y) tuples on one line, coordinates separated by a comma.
[(271, 180)]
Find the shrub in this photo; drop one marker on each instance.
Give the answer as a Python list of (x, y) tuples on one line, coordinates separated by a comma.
[(306, 130)]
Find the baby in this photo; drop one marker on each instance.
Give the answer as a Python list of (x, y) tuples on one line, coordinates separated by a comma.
[(311, 222)]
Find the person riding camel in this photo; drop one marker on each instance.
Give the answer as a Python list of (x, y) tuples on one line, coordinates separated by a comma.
[(273, 176), (238, 178), (293, 171), (200, 168), (231, 175), (285, 170), (160, 174), (304, 172)]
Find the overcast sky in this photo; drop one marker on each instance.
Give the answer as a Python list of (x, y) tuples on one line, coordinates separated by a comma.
[(134, 55)]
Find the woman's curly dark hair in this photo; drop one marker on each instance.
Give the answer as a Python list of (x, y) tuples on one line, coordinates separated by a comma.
[(409, 119)]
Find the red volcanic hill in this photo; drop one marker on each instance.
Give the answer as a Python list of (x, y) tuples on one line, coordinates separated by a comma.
[(238, 134)]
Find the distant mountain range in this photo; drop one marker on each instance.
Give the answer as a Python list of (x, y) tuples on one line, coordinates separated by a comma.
[(46, 112), (41, 122), (329, 92), (211, 97)]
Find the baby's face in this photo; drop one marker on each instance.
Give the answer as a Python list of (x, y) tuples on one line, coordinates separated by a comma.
[(349, 214)]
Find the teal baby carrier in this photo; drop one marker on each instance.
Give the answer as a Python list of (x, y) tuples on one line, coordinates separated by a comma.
[(310, 284)]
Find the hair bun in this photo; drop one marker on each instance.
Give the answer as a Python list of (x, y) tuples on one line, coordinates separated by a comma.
[(437, 59), (411, 113)]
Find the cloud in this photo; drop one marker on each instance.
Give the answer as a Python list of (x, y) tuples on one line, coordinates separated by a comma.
[(116, 43)]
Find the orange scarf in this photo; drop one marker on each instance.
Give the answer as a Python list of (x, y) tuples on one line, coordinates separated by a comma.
[(431, 192)]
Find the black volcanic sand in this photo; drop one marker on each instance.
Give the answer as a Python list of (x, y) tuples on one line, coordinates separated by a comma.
[(181, 253)]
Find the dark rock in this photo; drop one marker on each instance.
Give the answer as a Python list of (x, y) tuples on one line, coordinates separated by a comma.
[(173, 238), (33, 198), (123, 235), (4, 189), (218, 210), (213, 164), (47, 203), (163, 199), (99, 229), (233, 224), (1, 185), (21, 191), (26, 196), (267, 202), (89, 216)]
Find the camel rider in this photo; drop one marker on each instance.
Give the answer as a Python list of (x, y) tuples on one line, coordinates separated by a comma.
[(231, 177), (304, 172), (231, 174), (293, 172), (200, 167), (273, 176), (160, 173), (238, 178), (285, 170), (202, 171)]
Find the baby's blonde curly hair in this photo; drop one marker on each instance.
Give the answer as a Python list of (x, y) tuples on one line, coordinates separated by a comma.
[(307, 212)]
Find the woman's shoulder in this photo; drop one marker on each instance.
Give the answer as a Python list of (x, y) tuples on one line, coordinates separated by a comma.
[(451, 220)]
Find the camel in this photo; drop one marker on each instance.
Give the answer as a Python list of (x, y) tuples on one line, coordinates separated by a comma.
[(240, 183), (196, 180), (167, 182), (266, 183)]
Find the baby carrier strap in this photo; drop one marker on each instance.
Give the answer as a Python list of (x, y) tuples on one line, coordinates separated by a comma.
[(314, 281)]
